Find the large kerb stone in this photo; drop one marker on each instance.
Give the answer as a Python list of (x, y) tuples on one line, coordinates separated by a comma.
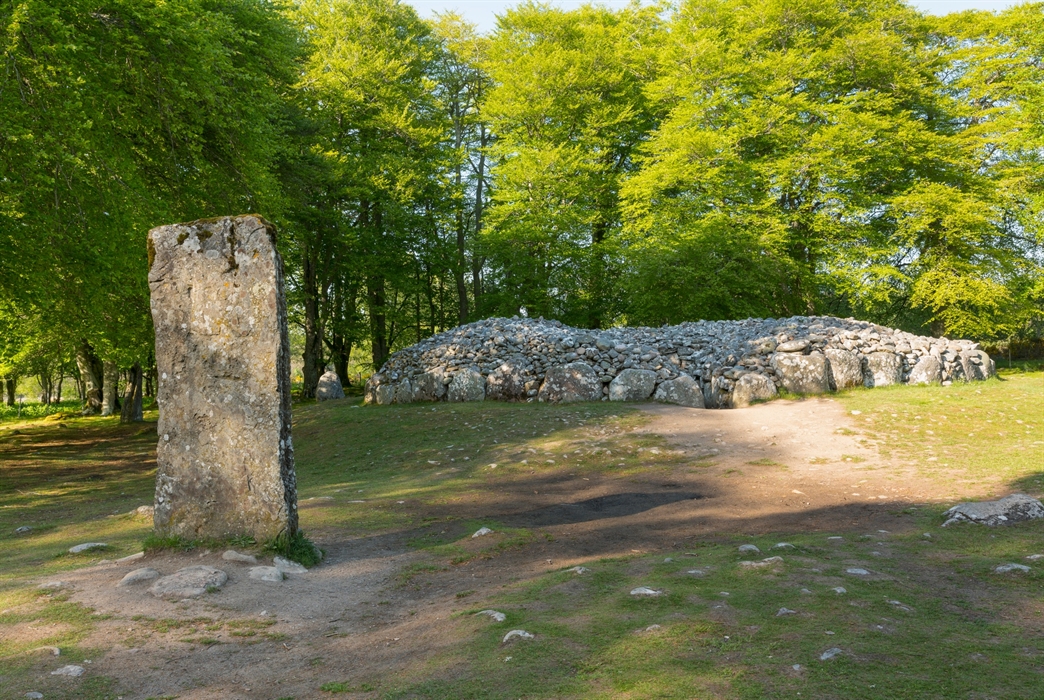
[(225, 458)]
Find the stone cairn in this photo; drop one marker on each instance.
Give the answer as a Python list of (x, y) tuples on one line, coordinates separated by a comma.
[(225, 461), (713, 364)]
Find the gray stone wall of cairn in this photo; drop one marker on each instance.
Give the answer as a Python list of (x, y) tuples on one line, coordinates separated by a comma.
[(703, 364)]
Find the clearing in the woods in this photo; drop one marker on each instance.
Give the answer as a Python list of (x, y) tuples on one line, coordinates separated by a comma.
[(639, 496)]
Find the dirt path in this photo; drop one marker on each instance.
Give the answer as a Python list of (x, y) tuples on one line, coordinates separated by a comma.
[(783, 466)]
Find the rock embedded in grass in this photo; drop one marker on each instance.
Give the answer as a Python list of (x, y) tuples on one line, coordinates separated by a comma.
[(752, 548), (71, 671), (87, 547), (481, 532), (495, 614), (578, 570), (856, 571), (1015, 508), (1008, 568), (517, 634), (830, 653), (716, 364), (785, 611), (644, 592), (23, 530)]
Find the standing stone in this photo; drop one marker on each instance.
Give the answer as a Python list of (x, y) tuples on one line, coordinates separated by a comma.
[(506, 383), (882, 368), (845, 368), (570, 383), (329, 387), (632, 385), (467, 385), (802, 374), (428, 386), (225, 460), (750, 388), (683, 391), (928, 370), (404, 392)]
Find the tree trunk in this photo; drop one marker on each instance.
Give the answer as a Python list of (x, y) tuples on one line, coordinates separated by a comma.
[(109, 384), (11, 384), (476, 261), (91, 374), (375, 297), (131, 410), (340, 355), (46, 386), (58, 389), (313, 350)]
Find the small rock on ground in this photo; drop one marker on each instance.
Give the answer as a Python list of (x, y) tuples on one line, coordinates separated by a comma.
[(496, 615), (131, 557), (33, 695), (481, 531), (189, 582), (24, 530), (786, 611), (71, 671), (138, 576), (1035, 557), (855, 571), (52, 585), (521, 634), (839, 590), (579, 570), (288, 567), (643, 592), (86, 547), (1010, 509), (1005, 568), (783, 545), (744, 548), (266, 573), (829, 653), (233, 555)]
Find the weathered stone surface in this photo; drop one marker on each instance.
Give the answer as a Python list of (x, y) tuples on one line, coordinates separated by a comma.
[(329, 387), (928, 370), (792, 346), (138, 576), (977, 365), (225, 457), (506, 383), (189, 582), (1005, 511), (467, 385), (270, 574), (86, 547), (845, 368), (287, 566), (632, 385), (802, 374), (71, 671), (429, 386), (404, 392), (576, 381), (683, 391), (750, 388), (233, 555), (882, 368)]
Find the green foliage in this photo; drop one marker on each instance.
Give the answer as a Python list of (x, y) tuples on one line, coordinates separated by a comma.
[(295, 548)]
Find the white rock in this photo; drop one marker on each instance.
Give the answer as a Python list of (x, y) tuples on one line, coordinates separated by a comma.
[(652, 628), (772, 560), (496, 615), (786, 611), (521, 634), (138, 576), (190, 582), (52, 585), (579, 570), (1005, 568), (23, 530), (829, 654), (1010, 509), (481, 532), (132, 557), (840, 590), (71, 671), (855, 571), (783, 545), (696, 572), (836, 537), (643, 592), (86, 547), (233, 555), (744, 548), (270, 574), (288, 567), (33, 695), (1035, 557)]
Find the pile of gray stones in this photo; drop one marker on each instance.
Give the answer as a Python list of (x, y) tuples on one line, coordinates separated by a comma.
[(705, 364)]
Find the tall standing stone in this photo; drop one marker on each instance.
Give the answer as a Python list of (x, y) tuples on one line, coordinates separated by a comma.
[(225, 458)]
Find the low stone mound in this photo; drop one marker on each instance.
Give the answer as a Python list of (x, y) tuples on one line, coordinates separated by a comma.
[(713, 364)]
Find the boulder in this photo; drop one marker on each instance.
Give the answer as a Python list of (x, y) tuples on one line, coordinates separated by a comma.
[(428, 386), (632, 385), (683, 391), (977, 365), (404, 392), (1005, 511), (467, 385), (576, 381), (844, 367), (270, 574), (882, 368), (506, 383), (750, 388), (802, 374), (329, 387), (138, 576), (189, 582), (928, 370)]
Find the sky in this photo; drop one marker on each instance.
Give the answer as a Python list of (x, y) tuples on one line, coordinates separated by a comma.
[(483, 12)]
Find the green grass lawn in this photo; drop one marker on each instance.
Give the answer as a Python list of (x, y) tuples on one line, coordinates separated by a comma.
[(930, 619)]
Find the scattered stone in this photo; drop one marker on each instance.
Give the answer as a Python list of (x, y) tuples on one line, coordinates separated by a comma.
[(521, 634), (829, 654), (753, 548), (287, 566), (840, 590), (643, 592), (805, 591), (682, 391), (481, 532), (329, 387), (138, 576), (836, 537), (233, 555), (54, 651), (87, 547), (902, 606), (796, 667), (23, 530), (632, 385), (270, 574), (33, 695), (773, 560), (1007, 568), (696, 572), (579, 570), (652, 628), (225, 460), (71, 671), (1005, 511), (131, 558), (190, 582), (784, 545), (855, 571), (497, 616), (1035, 557), (52, 585), (786, 611)]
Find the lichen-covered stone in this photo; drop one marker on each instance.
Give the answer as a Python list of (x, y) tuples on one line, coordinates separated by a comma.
[(750, 388), (882, 368), (1005, 511), (845, 368), (428, 386), (225, 456), (506, 383), (576, 381), (632, 385), (802, 374), (683, 391), (404, 392), (928, 370), (467, 385), (329, 387)]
